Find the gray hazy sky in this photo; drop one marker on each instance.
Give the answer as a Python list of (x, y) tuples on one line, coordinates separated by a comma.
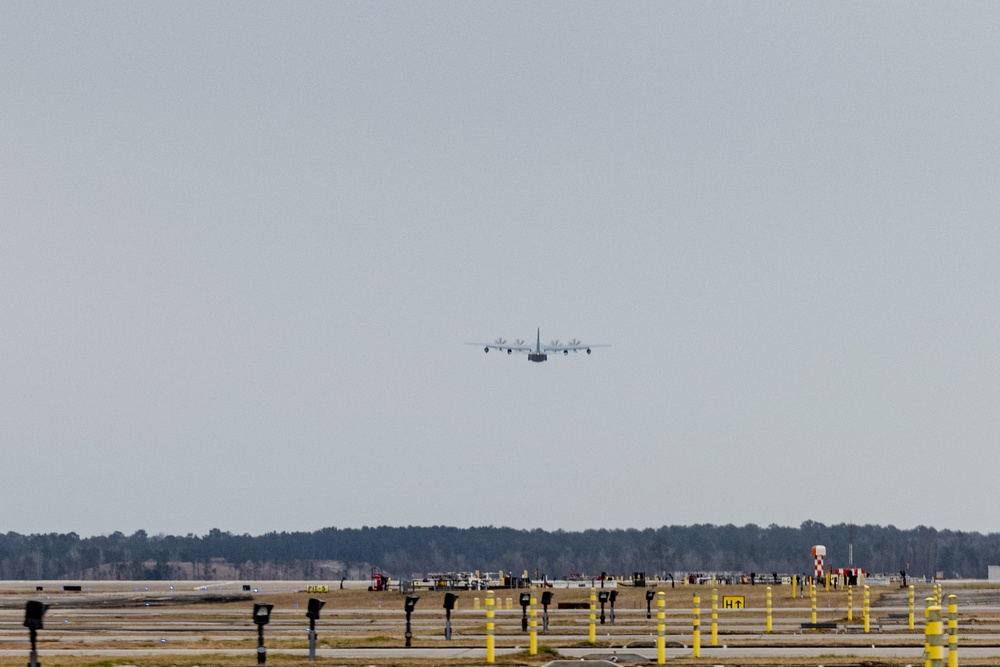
[(243, 245)]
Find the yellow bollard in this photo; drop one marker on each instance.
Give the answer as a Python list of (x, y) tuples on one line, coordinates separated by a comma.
[(952, 631), (794, 592), (865, 606), (490, 639), (769, 609), (715, 617), (696, 634), (827, 581), (593, 616), (910, 616), (661, 628), (510, 604), (928, 603), (934, 636), (532, 626), (475, 603), (850, 604), (812, 602)]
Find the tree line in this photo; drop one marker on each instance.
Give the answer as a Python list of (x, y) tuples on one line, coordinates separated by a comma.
[(412, 551)]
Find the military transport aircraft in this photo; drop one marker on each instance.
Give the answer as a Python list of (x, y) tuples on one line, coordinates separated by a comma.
[(539, 353)]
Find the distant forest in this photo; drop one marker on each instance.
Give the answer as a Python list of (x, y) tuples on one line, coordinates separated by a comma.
[(332, 553)]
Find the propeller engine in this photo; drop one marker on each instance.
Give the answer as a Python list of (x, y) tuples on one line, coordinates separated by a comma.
[(554, 342), (573, 342), (500, 341), (519, 341)]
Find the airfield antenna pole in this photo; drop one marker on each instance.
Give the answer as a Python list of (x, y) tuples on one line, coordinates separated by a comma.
[(312, 640), (408, 607), (769, 626), (34, 649), (952, 631), (715, 617), (490, 639), (696, 628), (850, 545), (546, 601), (533, 626), (592, 635), (450, 602), (661, 628)]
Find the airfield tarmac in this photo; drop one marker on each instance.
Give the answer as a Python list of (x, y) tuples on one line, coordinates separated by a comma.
[(210, 623)]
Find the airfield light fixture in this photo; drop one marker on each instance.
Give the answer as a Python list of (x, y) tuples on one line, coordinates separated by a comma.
[(649, 602), (312, 614), (611, 598), (602, 596), (449, 604), (546, 601), (408, 606), (34, 611), (525, 600), (261, 617)]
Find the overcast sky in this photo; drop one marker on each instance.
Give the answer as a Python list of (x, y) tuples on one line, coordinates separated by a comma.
[(242, 246)]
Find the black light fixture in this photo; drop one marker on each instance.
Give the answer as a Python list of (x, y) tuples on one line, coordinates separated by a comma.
[(611, 599), (261, 617), (449, 604), (34, 611), (313, 615), (602, 596), (649, 602), (408, 606), (525, 601), (546, 601)]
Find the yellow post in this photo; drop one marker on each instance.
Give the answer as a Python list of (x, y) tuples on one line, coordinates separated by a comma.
[(952, 631), (850, 604), (475, 603), (661, 628), (769, 609), (794, 592), (696, 634), (828, 581), (934, 636), (490, 640), (593, 616), (510, 604), (910, 617), (715, 617), (865, 609), (812, 602), (928, 603), (532, 626)]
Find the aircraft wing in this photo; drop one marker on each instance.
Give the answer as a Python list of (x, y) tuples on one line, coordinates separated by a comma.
[(552, 347), (505, 347)]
